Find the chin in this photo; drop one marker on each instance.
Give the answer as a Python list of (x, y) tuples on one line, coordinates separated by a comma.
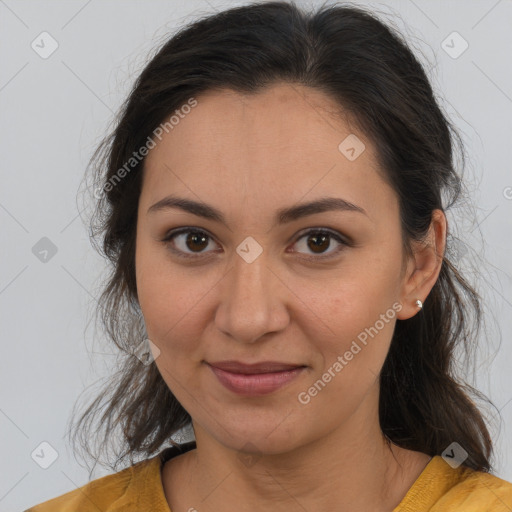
[(259, 435)]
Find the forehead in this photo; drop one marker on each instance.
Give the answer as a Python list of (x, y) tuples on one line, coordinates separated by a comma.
[(278, 145)]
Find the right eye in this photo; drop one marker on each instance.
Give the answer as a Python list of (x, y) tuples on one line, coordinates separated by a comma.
[(179, 240)]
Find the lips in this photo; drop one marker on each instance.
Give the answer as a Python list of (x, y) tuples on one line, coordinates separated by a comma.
[(254, 379), (254, 368)]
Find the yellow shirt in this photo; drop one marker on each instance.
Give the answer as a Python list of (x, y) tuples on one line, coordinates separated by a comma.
[(439, 488)]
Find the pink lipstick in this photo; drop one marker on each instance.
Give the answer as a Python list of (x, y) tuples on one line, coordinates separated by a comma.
[(254, 379)]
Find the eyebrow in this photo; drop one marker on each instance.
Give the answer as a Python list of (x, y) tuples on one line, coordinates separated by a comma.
[(283, 216)]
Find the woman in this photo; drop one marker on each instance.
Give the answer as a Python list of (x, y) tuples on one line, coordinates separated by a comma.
[(272, 203)]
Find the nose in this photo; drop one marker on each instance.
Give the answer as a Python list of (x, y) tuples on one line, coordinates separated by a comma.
[(253, 301)]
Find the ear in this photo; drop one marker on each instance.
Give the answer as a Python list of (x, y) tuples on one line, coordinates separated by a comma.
[(424, 267)]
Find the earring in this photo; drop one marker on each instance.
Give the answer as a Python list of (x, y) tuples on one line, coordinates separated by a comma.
[(419, 303)]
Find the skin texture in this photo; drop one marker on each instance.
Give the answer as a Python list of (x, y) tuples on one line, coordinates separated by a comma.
[(248, 156)]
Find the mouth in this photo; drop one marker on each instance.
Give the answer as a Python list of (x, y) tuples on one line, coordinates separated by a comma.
[(255, 379)]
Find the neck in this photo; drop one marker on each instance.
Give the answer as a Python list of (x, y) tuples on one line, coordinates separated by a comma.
[(352, 468)]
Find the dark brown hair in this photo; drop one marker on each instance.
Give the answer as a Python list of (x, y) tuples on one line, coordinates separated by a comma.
[(367, 67)]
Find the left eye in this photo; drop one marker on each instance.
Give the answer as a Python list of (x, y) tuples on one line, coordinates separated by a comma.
[(317, 240)]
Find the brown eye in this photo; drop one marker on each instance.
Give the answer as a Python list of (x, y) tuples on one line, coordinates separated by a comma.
[(192, 243), (196, 241), (318, 241), (187, 242)]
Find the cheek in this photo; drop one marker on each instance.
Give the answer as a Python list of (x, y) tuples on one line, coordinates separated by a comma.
[(169, 299), (172, 318), (360, 331), (359, 317), (351, 360), (172, 323)]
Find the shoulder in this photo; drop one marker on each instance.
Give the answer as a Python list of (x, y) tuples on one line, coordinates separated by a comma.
[(441, 487), (476, 491), (119, 491), (138, 487)]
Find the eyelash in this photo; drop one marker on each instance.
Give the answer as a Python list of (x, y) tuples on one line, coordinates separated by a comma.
[(316, 231)]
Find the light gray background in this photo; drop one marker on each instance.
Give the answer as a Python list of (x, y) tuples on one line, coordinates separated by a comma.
[(55, 110)]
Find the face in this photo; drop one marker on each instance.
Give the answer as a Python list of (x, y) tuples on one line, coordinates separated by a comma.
[(258, 286)]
